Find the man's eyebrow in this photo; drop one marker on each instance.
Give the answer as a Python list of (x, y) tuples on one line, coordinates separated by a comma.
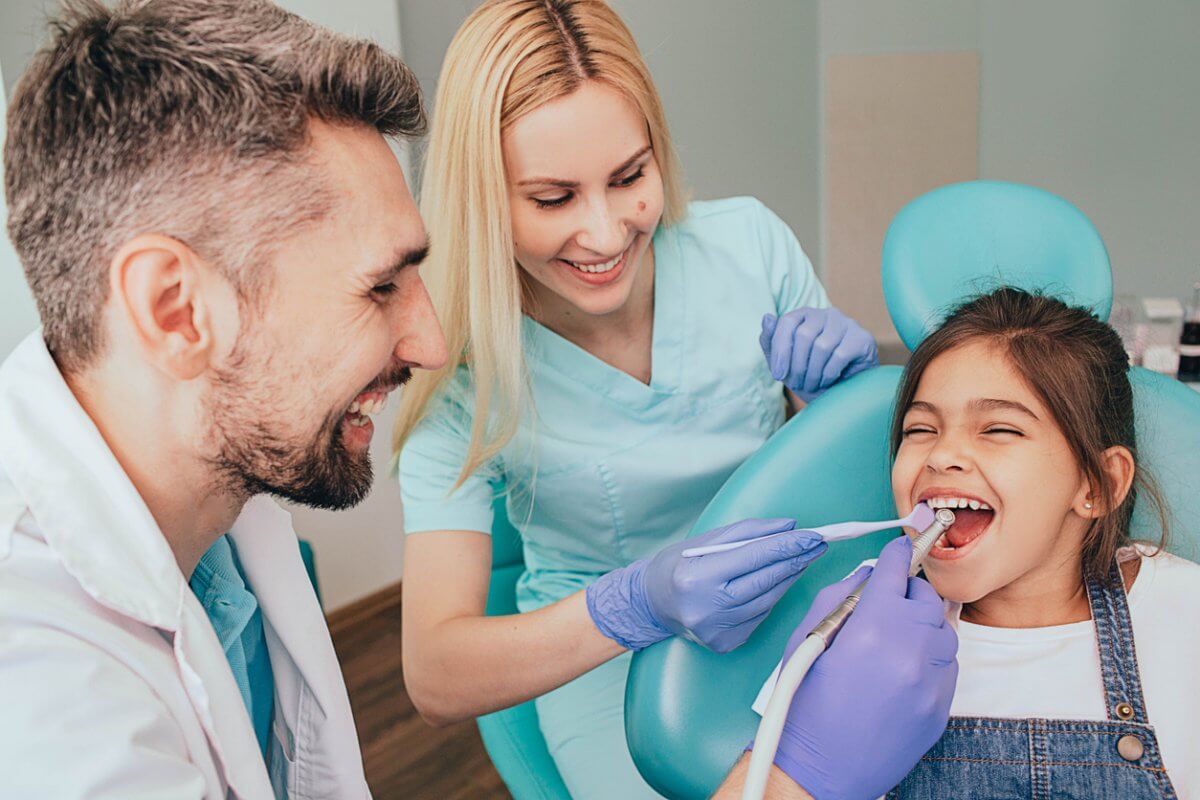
[(626, 164), (405, 257), (995, 404)]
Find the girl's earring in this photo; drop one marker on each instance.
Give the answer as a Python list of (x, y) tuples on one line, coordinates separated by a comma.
[(1088, 506)]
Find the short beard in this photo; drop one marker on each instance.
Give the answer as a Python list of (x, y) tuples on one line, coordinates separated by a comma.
[(250, 455)]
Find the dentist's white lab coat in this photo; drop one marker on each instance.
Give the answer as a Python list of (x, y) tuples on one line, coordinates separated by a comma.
[(112, 681)]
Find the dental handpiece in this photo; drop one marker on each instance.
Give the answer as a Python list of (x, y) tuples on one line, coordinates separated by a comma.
[(792, 673), (828, 628)]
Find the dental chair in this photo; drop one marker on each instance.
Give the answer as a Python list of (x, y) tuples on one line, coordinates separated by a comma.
[(687, 710), (512, 737)]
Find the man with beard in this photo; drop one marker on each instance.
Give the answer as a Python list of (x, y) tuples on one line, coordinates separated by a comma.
[(224, 255)]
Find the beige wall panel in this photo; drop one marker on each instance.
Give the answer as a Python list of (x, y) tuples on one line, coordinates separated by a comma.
[(896, 126)]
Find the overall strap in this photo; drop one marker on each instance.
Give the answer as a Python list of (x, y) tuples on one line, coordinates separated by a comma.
[(1118, 658)]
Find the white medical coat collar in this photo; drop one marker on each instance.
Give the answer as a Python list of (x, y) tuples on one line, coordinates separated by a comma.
[(93, 518), (100, 527)]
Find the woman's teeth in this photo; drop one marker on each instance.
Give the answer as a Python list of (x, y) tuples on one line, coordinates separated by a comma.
[(595, 269)]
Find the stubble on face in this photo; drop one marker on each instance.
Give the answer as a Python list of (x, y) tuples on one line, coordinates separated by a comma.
[(258, 443)]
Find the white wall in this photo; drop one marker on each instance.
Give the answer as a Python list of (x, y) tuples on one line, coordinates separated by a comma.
[(17, 313), (21, 25)]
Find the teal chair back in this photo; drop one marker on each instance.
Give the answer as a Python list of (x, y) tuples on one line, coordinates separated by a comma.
[(687, 710), (512, 737)]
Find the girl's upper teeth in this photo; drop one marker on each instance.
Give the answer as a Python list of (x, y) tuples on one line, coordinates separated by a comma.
[(958, 502), (605, 267)]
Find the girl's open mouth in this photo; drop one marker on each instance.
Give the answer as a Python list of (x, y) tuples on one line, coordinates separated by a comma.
[(972, 518)]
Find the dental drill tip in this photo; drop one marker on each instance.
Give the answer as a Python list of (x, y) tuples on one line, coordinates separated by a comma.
[(924, 542)]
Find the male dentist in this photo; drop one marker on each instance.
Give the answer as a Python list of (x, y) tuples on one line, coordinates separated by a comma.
[(224, 256)]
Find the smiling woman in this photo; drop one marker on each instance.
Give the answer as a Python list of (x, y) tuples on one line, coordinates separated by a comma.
[(609, 372)]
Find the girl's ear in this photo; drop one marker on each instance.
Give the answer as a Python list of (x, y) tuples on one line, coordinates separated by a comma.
[(1118, 463)]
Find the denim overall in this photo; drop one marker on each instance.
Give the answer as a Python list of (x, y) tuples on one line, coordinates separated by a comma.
[(1032, 759)]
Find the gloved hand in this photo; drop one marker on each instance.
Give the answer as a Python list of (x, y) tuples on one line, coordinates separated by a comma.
[(879, 698), (716, 600), (811, 349)]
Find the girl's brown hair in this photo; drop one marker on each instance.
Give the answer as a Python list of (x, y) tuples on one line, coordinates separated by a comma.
[(1078, 368)]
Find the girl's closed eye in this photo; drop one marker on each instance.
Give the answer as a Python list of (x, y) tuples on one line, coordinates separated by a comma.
[(1003, 430), (916, 430)]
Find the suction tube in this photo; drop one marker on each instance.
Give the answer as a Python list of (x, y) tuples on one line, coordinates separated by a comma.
[(766, 741)]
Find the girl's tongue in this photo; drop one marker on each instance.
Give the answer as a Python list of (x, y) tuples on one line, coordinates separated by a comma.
[(969, 525)]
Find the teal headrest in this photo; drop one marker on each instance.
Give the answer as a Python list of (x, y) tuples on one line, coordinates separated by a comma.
[(969, 238)]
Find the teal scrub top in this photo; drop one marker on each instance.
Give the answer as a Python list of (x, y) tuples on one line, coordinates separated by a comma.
[(220, 586), (605, 469)]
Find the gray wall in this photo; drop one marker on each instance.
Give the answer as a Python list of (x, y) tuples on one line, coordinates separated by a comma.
[(1094, 100), (1099, 101)]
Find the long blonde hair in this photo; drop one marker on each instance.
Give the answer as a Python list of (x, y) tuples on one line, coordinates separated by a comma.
[(509, 58)]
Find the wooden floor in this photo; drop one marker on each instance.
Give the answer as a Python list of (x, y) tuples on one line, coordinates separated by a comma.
[(403, 757)]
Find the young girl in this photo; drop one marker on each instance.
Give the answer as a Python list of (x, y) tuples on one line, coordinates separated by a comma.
[(1078, 648)]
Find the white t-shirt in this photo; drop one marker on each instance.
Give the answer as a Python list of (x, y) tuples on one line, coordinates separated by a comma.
[(1054, 672)]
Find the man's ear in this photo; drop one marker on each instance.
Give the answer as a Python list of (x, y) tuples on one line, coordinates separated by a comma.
[(155, 282), (1118, 462)]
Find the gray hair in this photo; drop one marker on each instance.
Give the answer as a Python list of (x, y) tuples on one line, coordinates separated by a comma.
[(187, 118)]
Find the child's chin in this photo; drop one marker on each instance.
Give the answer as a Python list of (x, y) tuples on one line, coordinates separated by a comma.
[(955, 588)]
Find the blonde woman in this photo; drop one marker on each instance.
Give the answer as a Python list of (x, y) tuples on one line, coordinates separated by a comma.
[(610, 375)]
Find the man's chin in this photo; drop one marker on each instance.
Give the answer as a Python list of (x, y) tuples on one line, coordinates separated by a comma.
[(338, 488), (334, 481)]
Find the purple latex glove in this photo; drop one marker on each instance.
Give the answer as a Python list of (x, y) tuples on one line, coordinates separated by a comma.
[(879, 698), (811, 349), (716, 600)]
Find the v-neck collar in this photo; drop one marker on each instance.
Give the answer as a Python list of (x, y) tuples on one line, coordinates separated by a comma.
[(554, 352)]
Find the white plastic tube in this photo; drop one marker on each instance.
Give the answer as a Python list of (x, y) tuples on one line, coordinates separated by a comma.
[(770, 729), (766, 741)]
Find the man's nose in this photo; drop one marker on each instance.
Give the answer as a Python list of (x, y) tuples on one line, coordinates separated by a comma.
[(422, 342)]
